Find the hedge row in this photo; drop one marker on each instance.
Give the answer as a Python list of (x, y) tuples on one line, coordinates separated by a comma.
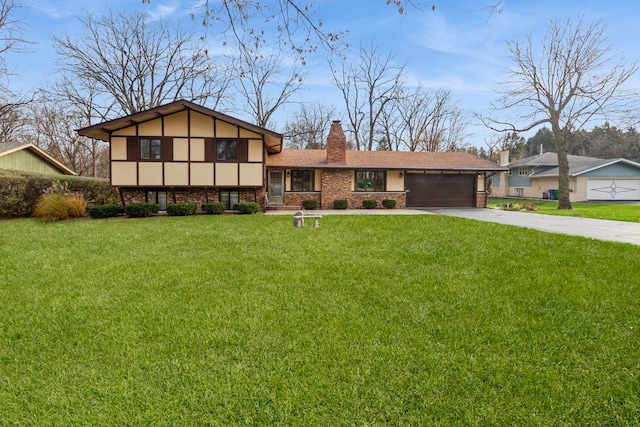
[(19, 192)]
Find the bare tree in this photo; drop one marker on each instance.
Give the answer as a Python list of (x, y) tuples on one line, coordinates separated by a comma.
[(138, 64), (424, 121), (368, 83), (295, 24), (569, 82), (309, 127), (264, 85)]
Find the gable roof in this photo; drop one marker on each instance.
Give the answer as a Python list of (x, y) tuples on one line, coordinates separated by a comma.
[(578, 165), (401, 160), (7, 148), (103, 130)]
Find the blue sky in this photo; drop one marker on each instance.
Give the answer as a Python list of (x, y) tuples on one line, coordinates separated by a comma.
[(458, 46)]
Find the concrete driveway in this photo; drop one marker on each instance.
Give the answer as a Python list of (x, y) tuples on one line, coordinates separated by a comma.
[(616, 231)]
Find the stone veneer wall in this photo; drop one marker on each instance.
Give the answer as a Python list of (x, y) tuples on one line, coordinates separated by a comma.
[(336, 184), (195, 195)]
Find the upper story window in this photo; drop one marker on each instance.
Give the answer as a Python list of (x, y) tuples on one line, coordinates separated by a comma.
[(227, 149), (302, 180), (150, 149), (370, 180), (523, 171)]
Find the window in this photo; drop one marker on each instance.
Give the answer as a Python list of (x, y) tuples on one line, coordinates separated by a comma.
[(229, 198), (150, 149), (370, 180), (302, 180), (227, 150), (523, 171), (159, 197)]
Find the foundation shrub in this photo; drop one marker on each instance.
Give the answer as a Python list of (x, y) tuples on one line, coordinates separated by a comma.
[(140, 210), (369, 204), (182, 209), (106, 211), (247, 208), (389, 203), (214, 208), (310, 204), (340, 204)]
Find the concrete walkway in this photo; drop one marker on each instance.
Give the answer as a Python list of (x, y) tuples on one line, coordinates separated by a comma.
[(616, 231)]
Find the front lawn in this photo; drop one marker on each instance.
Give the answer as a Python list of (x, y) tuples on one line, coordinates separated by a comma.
[(610, 211), (367, 320)]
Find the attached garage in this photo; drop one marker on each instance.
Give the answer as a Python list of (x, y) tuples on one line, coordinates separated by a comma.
[(441, 190), (613, 189)]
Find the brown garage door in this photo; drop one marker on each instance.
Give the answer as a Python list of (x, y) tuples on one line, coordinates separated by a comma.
[(440, 190)]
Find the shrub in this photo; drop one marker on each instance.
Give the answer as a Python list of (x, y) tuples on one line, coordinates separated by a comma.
[(340, 204), (389, 203), (369, 204), (182, 209), (19, 191), (56, 207), (105, 211), (310, 204), (76, 204), (215, 208), (139, 210), (51, 207), (247, 208)]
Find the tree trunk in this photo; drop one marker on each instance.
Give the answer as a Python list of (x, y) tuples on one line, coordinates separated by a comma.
[(563, 170)]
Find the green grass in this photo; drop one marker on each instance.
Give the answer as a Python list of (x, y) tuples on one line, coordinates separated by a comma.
[(609, 211), (367, 320)]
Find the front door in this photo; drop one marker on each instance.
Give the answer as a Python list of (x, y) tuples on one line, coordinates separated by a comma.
[(276, 187)]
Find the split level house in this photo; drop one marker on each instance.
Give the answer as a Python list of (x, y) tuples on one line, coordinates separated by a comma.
[(590, 178), (185, 152)]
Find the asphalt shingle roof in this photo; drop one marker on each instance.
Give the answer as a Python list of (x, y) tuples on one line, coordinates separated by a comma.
[(383, 160)]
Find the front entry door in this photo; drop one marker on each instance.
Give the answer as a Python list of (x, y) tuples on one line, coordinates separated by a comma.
[(276, 187)]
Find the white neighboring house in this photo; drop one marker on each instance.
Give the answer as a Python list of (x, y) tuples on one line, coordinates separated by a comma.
[(590, 178)]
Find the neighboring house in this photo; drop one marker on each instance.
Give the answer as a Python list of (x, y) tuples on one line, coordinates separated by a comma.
[(185, 152), (590, 178), (31, 159)]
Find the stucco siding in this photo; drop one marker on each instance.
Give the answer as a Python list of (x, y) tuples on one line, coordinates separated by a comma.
[(176, 173), (150, 173), (226, 174), (225, 130), (124, 173), (201, 125), (176, 124), (202, 174), (395, 182), (196, 153), (251, 174), (118, 148), (255, 150), (180, 149), (150, 128)]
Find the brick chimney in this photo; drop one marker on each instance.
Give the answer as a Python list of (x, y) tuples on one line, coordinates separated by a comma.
[(336, 144)]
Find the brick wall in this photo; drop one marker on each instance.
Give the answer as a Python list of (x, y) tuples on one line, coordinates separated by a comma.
[(296, 198), (357, 198), (481, 199), (336, 144), (336, 184)]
